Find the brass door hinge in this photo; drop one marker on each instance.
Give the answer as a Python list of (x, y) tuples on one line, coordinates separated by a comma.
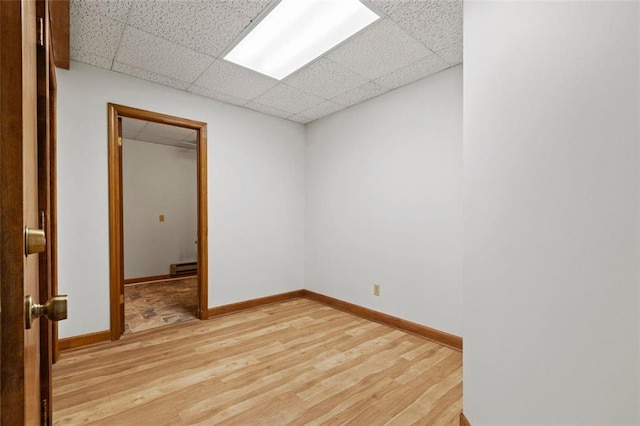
[(122, 298), (119, 140), (40, 34)]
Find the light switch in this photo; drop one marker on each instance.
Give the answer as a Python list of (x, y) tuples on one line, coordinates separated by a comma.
[(161, 218)]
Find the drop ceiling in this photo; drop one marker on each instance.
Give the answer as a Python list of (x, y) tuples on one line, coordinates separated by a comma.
[(180, 44), (158, 133)]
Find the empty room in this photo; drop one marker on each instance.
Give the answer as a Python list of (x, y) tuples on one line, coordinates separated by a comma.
[(292, 212)]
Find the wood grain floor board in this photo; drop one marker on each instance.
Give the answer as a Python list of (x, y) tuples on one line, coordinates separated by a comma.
[(296, 362), (393, 400)]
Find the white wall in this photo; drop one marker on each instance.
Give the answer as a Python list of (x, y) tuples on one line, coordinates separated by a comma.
[(551, 213), (255, 183), (158, 180), (384, 203)]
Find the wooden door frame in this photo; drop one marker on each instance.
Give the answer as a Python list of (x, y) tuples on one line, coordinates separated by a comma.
[(116, 240), (48, 282), (53, 196)]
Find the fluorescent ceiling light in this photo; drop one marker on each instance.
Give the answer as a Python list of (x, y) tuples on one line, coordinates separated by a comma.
[(296, 32)]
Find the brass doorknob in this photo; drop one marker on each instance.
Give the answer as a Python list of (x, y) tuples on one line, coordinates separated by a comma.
[(34, 241), (55, 309)]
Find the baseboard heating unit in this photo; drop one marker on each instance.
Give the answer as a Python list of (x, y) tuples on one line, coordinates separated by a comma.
[(179, 269)]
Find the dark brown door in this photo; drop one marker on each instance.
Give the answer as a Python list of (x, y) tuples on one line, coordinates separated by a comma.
[(24, 203)]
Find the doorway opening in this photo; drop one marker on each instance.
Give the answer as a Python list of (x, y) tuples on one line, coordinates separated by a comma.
[(158, 256), (159, 164)]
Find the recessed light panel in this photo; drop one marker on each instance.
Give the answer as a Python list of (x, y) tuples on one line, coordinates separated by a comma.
[(296, 32)]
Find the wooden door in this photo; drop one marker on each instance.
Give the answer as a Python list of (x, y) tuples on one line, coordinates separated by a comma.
[(24, 202)]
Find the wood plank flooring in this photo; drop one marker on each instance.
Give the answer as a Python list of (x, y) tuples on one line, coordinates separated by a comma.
[(297, 362)]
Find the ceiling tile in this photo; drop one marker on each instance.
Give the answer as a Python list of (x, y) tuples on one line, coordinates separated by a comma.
[(168, 18), (131, 127), (288, 99), (222, 22), (114, 9), (91, 59), (384, 6), (452, 54), (177, 43), (149, 76), (205, 26), (325, 78), (360, 94), (158, 131), (395, 8), (438, 24), (267, 110), (152, 53), (379, 50), (93, 35), (191, 137), (222, 97), (231, 79), (321, 110), (164, 134), (416, 71), (187, 145), (161, 140), (299, 118)]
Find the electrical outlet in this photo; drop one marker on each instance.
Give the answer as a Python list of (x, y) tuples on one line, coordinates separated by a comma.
[(376, 289)]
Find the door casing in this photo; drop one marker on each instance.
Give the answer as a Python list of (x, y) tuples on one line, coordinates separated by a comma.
[(116, 240)]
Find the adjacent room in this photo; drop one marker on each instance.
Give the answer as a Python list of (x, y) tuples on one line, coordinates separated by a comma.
[(331, 221), (159, 188)]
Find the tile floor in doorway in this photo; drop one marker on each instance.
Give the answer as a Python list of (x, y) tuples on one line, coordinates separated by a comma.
[(151, 305)]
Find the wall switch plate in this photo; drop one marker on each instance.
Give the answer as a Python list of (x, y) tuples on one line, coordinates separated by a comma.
[(376, 289), (161, 218)]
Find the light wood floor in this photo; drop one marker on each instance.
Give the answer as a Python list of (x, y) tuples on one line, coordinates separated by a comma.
[(296, 362)]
